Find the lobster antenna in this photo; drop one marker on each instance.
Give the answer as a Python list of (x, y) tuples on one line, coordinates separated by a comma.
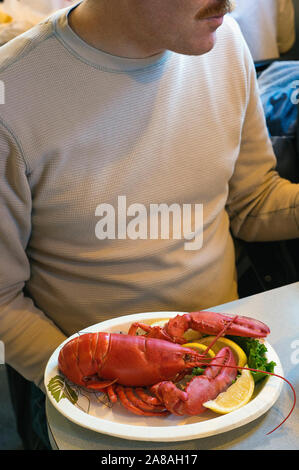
[(254, 370), (275, 375), (221, 333)]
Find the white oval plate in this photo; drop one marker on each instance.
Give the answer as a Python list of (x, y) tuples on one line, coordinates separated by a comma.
[(89, 412)]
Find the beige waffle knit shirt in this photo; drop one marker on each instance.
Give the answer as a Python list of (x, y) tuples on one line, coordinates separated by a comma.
[(79, 128)]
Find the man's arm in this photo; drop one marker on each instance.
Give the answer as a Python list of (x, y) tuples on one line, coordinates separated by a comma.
[(29, 336), (261, 205)]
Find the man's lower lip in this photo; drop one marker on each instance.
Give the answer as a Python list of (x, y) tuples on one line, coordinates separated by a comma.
[(215, 20)]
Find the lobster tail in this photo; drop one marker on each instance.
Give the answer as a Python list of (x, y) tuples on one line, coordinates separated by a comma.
[(81, 358)]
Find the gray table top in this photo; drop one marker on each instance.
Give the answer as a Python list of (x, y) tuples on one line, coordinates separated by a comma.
[(279, 308)]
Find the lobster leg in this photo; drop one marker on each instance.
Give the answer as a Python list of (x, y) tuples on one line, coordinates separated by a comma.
[(127, 403), (140, 403), (152, 331), (206, 323), (146, 397), (111, 394), (93, 383), (217, 377)]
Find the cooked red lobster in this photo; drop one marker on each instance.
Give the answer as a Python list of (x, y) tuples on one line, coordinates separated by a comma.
[(115, 363)]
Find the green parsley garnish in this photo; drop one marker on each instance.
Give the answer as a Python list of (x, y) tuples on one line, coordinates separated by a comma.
[(256, 356)]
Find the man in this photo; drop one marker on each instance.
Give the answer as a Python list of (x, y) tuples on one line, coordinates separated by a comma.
[(111, 107), (268, 26)]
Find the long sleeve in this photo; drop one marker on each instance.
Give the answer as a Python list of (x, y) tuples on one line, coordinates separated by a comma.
[(261, 205), (29, 336)]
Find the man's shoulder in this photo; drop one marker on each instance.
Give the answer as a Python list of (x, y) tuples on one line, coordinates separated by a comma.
[(231, 27), (230, 42), (25, 44), (27, 64)]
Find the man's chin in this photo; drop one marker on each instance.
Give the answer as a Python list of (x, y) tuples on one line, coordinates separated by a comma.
[(198, 48)]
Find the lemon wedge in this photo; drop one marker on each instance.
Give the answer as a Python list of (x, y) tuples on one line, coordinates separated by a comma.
[(189, 335), (236, 396), (199, 348), (239, 354)]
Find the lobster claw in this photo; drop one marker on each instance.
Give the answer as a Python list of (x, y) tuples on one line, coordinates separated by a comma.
[(206, 323), (212, 323), (217, 377)]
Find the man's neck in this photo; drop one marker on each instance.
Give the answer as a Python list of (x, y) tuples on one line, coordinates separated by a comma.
[(109, 30)]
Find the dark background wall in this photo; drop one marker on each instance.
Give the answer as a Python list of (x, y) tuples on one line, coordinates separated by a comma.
[(293, 54)]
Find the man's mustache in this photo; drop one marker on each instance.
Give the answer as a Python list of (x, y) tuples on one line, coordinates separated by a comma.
[(218, 8)]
